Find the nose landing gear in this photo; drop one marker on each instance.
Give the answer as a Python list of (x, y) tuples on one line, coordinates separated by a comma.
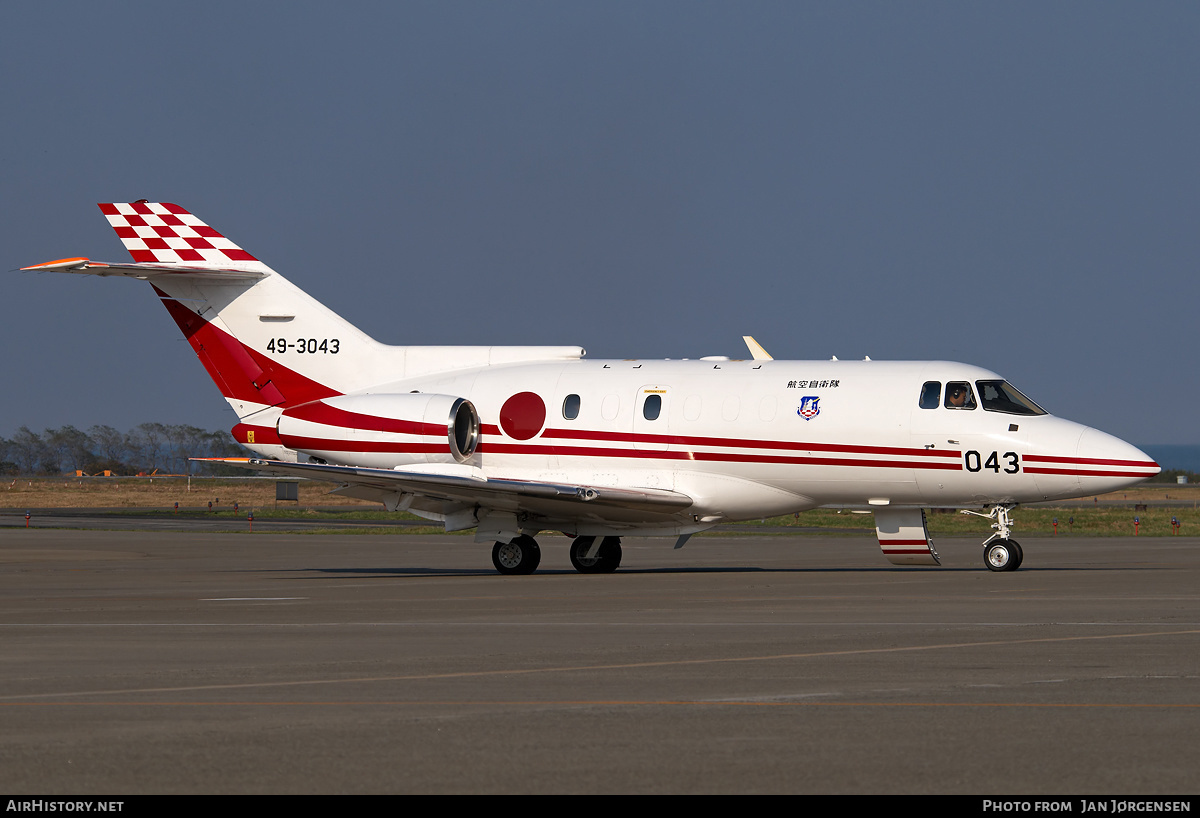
[(1003, 555), (1000, 552)]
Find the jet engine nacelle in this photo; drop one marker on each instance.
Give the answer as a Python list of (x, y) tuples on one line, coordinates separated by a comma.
[(383, 430)]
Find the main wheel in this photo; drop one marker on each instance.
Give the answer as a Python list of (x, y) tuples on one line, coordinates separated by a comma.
[(1002, 555), (606, 560), (610, 549), (521, 555)]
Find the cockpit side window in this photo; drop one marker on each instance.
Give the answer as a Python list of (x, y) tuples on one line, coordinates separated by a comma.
[(931, 394), (959, 395), (1001, 396)]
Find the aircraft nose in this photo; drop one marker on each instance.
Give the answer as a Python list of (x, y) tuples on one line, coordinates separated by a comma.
[(1111, 460)]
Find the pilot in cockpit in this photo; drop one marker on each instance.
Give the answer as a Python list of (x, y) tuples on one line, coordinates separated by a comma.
[(958, 396)]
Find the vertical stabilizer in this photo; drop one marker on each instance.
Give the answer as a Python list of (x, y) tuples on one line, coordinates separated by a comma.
[(265, 343), (167, 234)]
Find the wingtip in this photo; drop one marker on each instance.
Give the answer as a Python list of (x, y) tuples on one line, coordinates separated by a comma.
[(59, 264)]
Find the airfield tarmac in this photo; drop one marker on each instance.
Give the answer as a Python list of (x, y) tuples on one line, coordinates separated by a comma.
[(167, 662)]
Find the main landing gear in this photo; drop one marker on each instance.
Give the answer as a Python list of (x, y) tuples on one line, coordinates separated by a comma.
[(1000, 552), (520, 555), (589, 555)]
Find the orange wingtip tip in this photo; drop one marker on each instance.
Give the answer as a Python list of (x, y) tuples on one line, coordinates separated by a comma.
[(62, 262), (220, 459)]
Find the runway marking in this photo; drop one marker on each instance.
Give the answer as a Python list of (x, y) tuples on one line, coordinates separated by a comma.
[(824, 625), (468, 674), (249, 598), (602, 702)]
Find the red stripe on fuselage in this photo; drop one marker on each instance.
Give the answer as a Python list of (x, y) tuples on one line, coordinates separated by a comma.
[(722, 457), (319, 444), (1089, 461), (1082, 473), (490, 430), (741, 443), (327, 415), (334, 445)]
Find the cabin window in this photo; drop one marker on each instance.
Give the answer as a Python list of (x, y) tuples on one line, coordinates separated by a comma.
[(652, 407), (730, 408), (931, 394), (571, 407), (1001, 396), (959, 395)]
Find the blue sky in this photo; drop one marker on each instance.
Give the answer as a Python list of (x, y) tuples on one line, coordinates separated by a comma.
[(1012, 185)]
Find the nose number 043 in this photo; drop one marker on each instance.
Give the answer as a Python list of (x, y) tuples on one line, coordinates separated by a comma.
[(975, 462)]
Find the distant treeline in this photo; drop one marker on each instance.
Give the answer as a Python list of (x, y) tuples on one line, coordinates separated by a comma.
[(144, 449)]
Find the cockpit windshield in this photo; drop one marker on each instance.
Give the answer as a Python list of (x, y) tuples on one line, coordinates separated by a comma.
[(1001, 396)]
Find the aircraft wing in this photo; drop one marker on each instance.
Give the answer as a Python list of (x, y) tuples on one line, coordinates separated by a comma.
[(468, 485)]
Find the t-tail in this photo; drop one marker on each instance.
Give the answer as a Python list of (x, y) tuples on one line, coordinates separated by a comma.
[(265, 343)]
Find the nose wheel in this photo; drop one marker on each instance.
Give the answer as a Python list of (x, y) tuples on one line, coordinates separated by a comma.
[(1000, 552), (1003, 555), (520, 555)]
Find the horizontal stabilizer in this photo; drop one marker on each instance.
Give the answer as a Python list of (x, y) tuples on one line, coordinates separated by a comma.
[(145, 271)]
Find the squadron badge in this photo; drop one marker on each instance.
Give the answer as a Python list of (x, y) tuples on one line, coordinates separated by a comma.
[(808, 408)]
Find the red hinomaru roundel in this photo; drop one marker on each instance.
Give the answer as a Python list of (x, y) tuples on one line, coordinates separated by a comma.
[(523, 415)]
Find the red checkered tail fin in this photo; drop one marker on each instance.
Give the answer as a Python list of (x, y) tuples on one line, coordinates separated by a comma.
[(163, 233)]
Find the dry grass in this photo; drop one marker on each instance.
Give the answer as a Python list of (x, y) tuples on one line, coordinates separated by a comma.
[(1089, 518), (163, 492)]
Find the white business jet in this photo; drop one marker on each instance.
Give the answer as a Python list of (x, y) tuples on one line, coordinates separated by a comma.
[(515, 441)]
